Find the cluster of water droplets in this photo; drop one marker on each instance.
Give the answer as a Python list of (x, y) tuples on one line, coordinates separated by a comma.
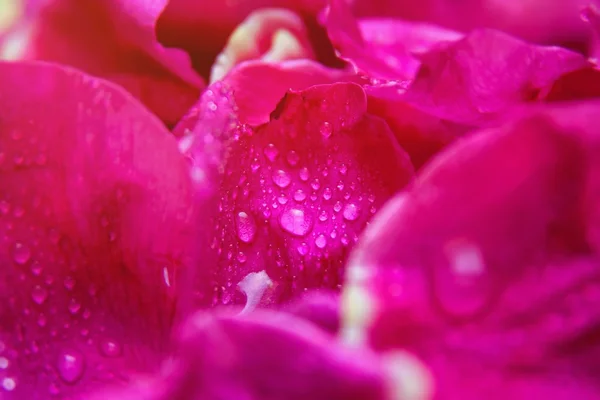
[(53, 311), (304, 205)]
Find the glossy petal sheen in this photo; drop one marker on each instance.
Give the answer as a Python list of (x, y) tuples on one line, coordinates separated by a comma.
[(488, 267), (95, 205), (295, 192)]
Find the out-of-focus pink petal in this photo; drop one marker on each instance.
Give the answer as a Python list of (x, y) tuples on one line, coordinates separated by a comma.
[(268, 356), (319, 307), (475, 79), (95, 212), (109, 39), (381, 48), (487, 267), (580, 84), (268, 34), (539, 21), (294, 193)]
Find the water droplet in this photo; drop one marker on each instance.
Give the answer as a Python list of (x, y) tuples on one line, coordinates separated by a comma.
[(70, 366), (296, 221), (302, 249), (246, 227), (36, 268), (327, 194), (337, 207), (281, 178), (462, 284), (9, 384), (371, 198), (271, 152), (292, 158), (304, 174), (42, 320), (316, 184), (39, 294), (69, 283), (241, 257), (350, 212), (282, 199), (255, 165), (21, 253), (321, 241), (110, 348), (4, 207), (299, 195), (323, 216), (74, 306), (343, 169), (326, 130), (3, 363), (340, 185)]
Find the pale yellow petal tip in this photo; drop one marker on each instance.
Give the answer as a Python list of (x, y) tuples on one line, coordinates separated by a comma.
[(14, 44), (10, 12), (408, 377), (357, 309)]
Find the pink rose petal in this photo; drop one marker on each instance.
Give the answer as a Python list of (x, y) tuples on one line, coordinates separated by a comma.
[(379, 48), (319, 307), (95, 212), (268, 356), (487, 268), (474, 80), (111, 40), (294, 193)]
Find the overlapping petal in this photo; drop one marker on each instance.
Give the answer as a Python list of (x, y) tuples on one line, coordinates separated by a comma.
[(487, 268), (95, 225), (295, 192), (114, 40)]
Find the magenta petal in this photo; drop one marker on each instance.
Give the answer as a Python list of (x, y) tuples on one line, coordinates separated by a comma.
[(319, 307), (112, 40), (294, 193), (95, 211), (486, 73), (268, 356), (488, 267), (378, 48)]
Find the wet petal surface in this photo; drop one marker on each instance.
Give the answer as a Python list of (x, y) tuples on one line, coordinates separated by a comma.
[(95, 206)]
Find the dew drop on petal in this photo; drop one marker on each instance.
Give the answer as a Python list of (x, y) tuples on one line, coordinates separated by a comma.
[(299, 195), (271, 152), (350, 212), (327, 194), (110, 348), (296, 221), (9, 384), (304, 174), (321, 241), (246, 226), (292, 158), (21, 253), (39, 294), (281, 178), (326, 130), (302, 249), (74, 306), (70, 366)]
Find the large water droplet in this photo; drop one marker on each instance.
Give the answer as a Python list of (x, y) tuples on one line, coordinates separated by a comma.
[(304, 174), (271, 152), (9, 384), (70, 365), (462, 283), (350, 212), (296, 221), (246, 227), (39, 294), (293, 158), (21, 253), (326, 129), (299, 195), (281, 178), (321, 241), (110, 348)]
